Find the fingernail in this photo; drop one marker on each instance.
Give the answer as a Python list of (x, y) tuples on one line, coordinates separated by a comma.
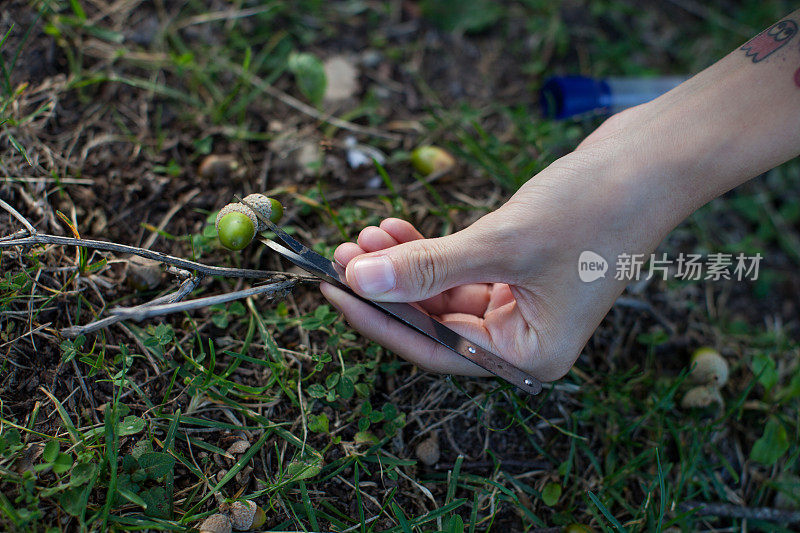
[(374, 275)]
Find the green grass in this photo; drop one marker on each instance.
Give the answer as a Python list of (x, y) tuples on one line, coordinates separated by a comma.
[(128, 429)]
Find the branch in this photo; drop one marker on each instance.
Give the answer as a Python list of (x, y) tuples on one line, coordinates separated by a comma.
[(16, 214), (186, 287), (728, 510), (42, 238), (142, 312)]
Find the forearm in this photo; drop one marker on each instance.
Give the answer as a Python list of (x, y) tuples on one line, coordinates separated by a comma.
[(646, 169), (733, 121)]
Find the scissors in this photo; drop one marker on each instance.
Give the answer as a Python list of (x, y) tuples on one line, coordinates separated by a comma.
[(331, 272)]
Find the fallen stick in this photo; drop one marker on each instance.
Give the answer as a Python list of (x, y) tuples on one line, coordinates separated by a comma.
[(43, 238), (728, 510)]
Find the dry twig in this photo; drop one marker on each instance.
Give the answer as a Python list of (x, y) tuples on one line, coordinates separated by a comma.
[(186, 287), (16, 214), (43, 238), (142, 312), (169, 303), (728, 510)]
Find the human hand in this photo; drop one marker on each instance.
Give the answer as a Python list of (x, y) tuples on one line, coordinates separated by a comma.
[(509, 282)]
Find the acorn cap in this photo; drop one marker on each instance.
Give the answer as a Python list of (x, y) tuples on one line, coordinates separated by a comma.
[(428, 450), (242, 514), (262, 204), (216, 523), (701, 396), (240, 446), (238, 208), (709, 367)]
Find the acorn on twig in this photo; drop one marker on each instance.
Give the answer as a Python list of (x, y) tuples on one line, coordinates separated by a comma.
[(236, 226), (237, 223), (267, 207)]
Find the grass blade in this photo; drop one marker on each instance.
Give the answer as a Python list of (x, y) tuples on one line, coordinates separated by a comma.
[(73, 432), (606, 512), (662, 493)]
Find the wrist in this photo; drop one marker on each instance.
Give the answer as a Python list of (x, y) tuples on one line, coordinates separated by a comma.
[(654, 169), (597, 198), (636, 181)]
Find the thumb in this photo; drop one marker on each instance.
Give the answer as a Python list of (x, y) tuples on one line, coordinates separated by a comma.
[(418, 270)]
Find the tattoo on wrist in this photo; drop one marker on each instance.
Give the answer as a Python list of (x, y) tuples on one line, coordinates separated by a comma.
[(773, 38), (768, 41)]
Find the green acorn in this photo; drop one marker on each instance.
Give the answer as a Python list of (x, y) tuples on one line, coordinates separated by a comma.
[(267, 207), (237, 223), (709, 367), (430, 159), (236, 226)]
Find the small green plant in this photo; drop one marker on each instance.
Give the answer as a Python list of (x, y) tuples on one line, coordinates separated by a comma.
[(53, 459), (146, 478), (309, 74)]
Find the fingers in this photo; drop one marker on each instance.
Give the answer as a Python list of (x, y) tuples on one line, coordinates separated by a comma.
[(472, 299), (420, 269), (405, 342), (416, 267), (391, 232), (372, 239), (345, 252), (400, 230)]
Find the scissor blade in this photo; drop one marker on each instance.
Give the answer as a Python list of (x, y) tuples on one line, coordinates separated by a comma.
[(421, 322), (290, 241), (321, 267)]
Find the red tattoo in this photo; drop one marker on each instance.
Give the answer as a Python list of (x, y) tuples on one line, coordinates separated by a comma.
[(797, 77), (769, 40)]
